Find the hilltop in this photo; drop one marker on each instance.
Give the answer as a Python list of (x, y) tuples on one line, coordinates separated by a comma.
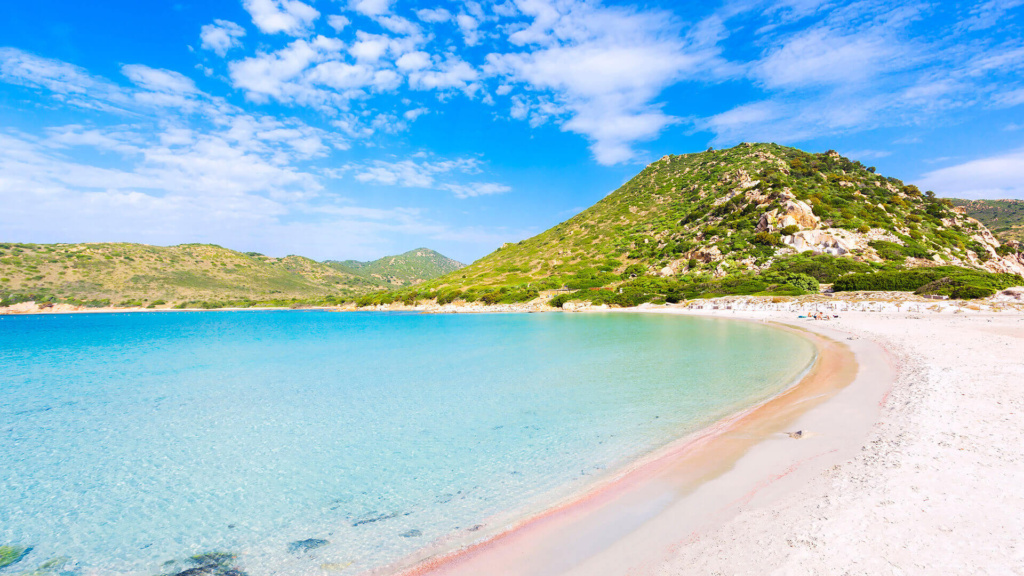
[(411, 268), (756, 218), (1005, 218)]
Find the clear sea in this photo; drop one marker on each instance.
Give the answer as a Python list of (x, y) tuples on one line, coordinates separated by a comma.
[(305, 441)]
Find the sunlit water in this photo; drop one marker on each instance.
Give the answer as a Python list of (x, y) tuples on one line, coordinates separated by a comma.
[(128, 440)]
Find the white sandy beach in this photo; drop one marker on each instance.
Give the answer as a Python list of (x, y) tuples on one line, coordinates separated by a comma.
[(914, 468), (937, 486)]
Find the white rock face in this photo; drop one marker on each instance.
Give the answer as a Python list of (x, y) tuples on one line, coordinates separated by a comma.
[(794, 213), (667, 271), (819, 242)]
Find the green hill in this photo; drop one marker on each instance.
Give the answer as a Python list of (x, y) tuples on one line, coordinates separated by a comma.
[(137, 274), (756, 218), (1005, 218), (413, 267)]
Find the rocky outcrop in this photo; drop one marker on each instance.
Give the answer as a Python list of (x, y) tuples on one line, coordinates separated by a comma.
[(1011, 264), (1014, 294), (793, 213), (819, 242)]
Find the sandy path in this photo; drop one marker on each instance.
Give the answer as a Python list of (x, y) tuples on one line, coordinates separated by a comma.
[(938, 486)]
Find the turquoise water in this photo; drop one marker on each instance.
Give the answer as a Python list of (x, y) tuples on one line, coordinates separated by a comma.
[(129, 440)]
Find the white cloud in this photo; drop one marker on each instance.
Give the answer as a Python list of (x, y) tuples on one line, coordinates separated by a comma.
[(413, 61), (474, 189), (469, 27), (453, 73), (369, 47), (411, 173), (434, 15), (822, 56), (398, 25), (412, 115), (371, 7), (1000, 176), (288, 16), (74, 85), (985, 15), (605, 67), (1009, 98), (206, 173), (205, 191), (279, 74), (861, 66), (158, 80), (865, 154), (424, 174), (221, 36), (338, 22)]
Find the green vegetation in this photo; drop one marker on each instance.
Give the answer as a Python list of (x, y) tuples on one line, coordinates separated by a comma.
[(702, 210), (952, 281), (1005, 218), (185, 276), (11, 554), (412, 267), (702, 224)]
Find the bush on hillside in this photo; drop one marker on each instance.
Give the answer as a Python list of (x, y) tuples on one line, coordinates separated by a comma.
[(823, 267), (768, 238), (952, 281)]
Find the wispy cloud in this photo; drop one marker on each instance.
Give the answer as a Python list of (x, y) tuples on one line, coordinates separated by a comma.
[(999, 176), (429, 174)]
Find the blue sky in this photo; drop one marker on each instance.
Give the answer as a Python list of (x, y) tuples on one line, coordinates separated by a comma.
[(358, 128)]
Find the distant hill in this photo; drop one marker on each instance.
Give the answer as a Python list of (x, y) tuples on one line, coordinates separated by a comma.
[(752, 219), (1005, 218), (411, 268), (137, 274)]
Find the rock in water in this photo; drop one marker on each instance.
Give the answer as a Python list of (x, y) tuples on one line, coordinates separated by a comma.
[(212, 564), (12, 554), (301, 546)]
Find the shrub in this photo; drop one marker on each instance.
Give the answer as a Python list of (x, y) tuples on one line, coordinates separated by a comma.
[(557, 301), (590, 278), (792, 281), (448, 296), (970, 292), (633, 270), (823, 267), (790, 230), (768, 238), (953, 281)]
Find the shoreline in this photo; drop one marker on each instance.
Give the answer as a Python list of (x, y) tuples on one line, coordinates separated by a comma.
[(580, 529), (1011, 300), (925, 467)]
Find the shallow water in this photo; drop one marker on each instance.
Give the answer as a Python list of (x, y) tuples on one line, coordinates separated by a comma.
[(129, 440)]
